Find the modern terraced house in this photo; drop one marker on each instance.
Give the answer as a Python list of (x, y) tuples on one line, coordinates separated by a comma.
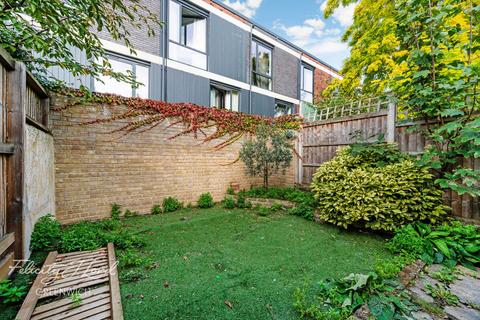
[(211, 55)]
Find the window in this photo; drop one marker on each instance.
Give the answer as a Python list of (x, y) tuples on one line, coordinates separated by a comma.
[(139, 70), (283, 108), (306, 87), (188, 35), (261, 65), (223, 97)]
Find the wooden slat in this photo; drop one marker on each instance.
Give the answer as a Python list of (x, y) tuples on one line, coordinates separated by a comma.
[(31, 300), (6, 242), (5, 265), (6, 148), (84, 301), (84, 311), (54, 290), (67, 301), (116, 300), (79, 253)]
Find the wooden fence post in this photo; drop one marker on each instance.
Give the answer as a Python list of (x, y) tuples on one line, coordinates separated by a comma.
[(391, 119), (16, 91)]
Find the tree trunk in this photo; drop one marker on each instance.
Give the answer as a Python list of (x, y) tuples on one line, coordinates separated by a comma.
[(265, 177)]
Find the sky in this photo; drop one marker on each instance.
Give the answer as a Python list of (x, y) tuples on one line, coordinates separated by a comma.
[(302, 22)]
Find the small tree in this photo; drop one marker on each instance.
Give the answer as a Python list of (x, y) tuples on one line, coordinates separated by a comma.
[(266, 154)]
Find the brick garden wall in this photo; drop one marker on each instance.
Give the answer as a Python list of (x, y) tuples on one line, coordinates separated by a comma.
[(94, 168)]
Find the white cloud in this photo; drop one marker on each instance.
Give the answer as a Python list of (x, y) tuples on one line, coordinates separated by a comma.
[(343, 15), (247, 7)]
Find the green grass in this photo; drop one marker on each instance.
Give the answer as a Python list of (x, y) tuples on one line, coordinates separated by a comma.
[(210, 256)]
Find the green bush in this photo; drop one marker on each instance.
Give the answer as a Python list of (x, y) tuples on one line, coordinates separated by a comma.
[(156, 209), (242, 202), (276, 207), (228, 203), (263, 211), (357, 190), (171, 204), (230, 191), (116, 211), (10, 293), (46, 234), (304, 211), (205, 201)]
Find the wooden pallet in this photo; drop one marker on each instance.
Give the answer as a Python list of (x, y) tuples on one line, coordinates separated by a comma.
[(74, 286)]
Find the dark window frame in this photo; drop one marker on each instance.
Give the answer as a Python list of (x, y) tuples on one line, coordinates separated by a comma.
[(289, 106), (225, 88), (304, 67), (256, 72)]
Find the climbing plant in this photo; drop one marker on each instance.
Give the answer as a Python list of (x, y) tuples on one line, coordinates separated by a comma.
[(145, 114)]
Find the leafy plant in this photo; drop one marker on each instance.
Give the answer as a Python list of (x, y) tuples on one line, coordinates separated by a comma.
[(445, 275), (354, 190), (230, 191), (338, 299), (448, 244), (46, 234), (76, 299), (11, 294), (389, 269), (205, 201), (171, 204), (116, 211), (243, 203), (442, 294), (267, 153), (130, 258), (156, 209), (262, 211), (276, 207), (303, 210), (228, 203), (132, 275)]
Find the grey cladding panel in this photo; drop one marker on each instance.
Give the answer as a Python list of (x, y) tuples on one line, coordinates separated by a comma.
[(67, 77), (285, 73), (263, 105), (155, 82), (228, 49), (186, 87)]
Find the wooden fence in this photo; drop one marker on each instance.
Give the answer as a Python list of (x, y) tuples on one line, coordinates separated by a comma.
[(320, 140), (19, 92)]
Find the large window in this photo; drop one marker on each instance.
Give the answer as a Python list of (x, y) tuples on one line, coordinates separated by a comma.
[(306, 88), (188, 35), (139, 70), (223, 97), (283, 108), (261, 65)]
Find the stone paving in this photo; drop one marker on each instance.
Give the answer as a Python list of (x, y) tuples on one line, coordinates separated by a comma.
[(466, 287)]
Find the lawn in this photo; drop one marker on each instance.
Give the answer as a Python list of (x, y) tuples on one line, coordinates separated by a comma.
[(208, 259)]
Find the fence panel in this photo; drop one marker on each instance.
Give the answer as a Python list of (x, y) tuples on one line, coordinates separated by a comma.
[(321, 140), (3, 158)]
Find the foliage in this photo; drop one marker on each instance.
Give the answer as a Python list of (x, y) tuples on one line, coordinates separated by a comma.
[(366, 189), (388, 269), (447, 244), (130, 258), (133, 275), (439, 292), (128, 213), (303, 210), (267, 153), (10, 293), (230, 191), (338, 299), (42, 33), (156, 209), (290, 194), (445, 275), (46, 234), (229, 203), (427, 53), (263, 211), (243, 203), (171, 204), (142, 115), (205, 201), (276, 207), (116, 211)]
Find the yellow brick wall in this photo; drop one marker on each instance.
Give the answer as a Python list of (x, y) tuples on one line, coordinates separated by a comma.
[(94, 168)]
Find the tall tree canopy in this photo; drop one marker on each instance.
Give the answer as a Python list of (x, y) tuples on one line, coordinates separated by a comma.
[(42, 33), (426, 53)]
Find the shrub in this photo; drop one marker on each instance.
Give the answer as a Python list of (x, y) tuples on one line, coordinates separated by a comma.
[(276, 207), (205, 201), (171, 204), (242, 203), (230, 191), (129, 214), (46, 234), (262, 211), (116, 211), (10, 293), (303, 210), (407, 241), (356, 190), (156, 209), (228, 203)]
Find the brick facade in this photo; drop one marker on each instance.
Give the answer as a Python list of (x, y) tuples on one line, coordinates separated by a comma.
[(321, 80), (94, 168)]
